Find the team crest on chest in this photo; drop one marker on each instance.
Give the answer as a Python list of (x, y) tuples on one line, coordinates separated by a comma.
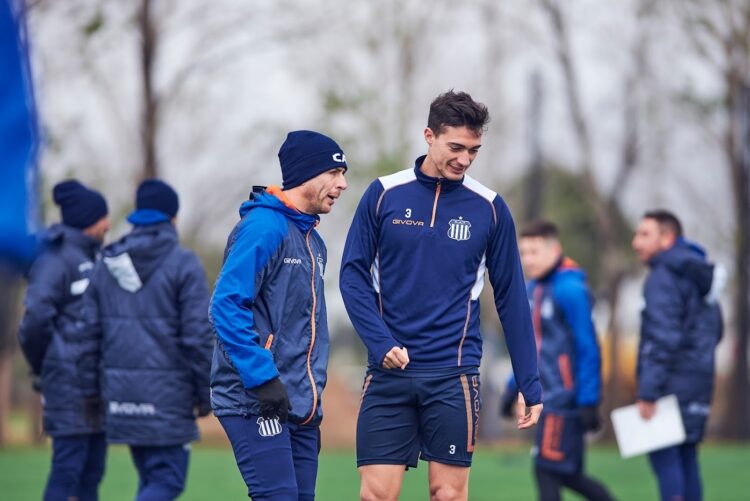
[(268, 427), (459, 229)]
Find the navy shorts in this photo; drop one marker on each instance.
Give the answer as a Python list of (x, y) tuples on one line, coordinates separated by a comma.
[(404, 417), (277, 461), (559, 445)]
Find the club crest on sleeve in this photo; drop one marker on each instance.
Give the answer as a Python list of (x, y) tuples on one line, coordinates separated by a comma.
[(268, 427), (459, 229)]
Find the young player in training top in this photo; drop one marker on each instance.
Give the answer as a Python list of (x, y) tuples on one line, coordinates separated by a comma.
[(413, 267), (569, 364)]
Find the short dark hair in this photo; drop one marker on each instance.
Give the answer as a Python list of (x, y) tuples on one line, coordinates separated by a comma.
[(457, 109), (666, 220), (540, 228)]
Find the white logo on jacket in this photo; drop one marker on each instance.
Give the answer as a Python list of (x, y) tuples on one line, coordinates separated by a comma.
[(292, 260), (268, 427), (459, 229), (321, 265), (132, 408)]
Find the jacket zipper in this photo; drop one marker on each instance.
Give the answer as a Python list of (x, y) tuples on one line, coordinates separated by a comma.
[(434, 204), (312, 330)]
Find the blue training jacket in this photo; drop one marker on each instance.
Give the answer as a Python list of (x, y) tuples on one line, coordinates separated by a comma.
[(569, 356), (268, 310), (146, 310), (414, 266), (681, 325), (51, 333)]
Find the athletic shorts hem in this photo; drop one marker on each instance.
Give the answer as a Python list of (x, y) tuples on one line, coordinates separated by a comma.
[(398, 462), (451, 462)]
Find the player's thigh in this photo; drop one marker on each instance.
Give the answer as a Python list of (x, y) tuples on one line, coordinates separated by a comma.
[(449, 416), (559, 445), (263, 452), (380, 482), (388, 424)]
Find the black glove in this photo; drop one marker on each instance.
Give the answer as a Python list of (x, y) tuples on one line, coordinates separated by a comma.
[(92, 410), (273, 400), (589, 417), (36, 384), (203, 409), (507, 401)]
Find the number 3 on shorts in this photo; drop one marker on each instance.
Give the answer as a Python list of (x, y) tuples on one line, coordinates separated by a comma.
[(452, 449)]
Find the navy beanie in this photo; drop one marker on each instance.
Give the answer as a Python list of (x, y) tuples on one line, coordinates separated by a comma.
[(80, 207), (157, 195), (305, 154)]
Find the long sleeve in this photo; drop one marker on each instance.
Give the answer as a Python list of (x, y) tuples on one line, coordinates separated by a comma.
[(661, 332), (89, 363), (44, 297), (506, 276), (356, 281), (196, 340), (574, 301), (231, 310)]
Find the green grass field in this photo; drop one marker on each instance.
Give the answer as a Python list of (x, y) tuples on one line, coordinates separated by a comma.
[(498, 474)]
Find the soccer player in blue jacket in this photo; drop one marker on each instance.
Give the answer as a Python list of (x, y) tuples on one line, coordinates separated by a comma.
[(53, 341), (269, 315), (413, 268), (146, 314), (569, 364), (681, 325)]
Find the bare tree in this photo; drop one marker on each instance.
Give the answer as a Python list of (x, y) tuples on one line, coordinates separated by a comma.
[(719, 33), (615, 261)]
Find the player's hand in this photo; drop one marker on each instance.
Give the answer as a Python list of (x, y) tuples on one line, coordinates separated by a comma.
[(273, 400), (397, 358), (646, 409), (203, 409), (527, 416), (506, 404), (93, 411), (589, 416)]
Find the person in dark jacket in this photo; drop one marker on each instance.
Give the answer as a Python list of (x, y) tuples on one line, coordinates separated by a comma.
[(569, 364), (411, 275), (681, 325), (269, 315), (147, 312), (53, 343)]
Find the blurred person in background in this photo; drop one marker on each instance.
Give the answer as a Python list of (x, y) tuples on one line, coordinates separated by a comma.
[(569, 364), (146, 316), (269, 315), (412, 271), (53, 341), (681, 325)]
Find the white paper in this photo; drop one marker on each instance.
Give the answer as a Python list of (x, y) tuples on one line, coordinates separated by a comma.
[(637, 436)]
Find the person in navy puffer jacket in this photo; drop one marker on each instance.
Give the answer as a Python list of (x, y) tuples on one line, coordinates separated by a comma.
[(681, 325), (52, 341), (268, 312), (569, 364), (147, 311)]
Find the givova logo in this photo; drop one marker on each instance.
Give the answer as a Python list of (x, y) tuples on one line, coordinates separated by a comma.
[(268, 427), (292, 260), (132, 408)]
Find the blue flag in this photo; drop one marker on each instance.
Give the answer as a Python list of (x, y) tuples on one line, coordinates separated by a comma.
[(19, 140)]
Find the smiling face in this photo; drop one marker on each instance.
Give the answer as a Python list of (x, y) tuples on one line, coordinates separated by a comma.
[(317, 195), (450, 153)]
